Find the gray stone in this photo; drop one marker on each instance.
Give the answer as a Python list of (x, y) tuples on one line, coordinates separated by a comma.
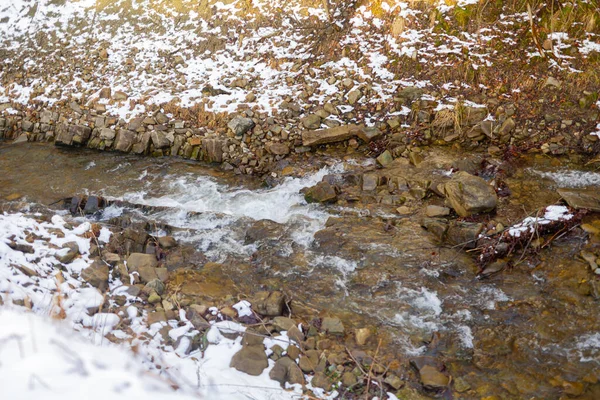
[(96, 275), (322, 192), (80, 134), (21, 139), (63, 135), (159, 140), (469, 194), (107, 134), (311, 121), (251, 360), (155, 285), (125, 140), (27, 125), (369, 182), (240, 125)]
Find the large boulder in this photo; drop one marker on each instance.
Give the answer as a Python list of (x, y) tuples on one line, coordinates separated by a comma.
[(250, 359), (125, 140), (469, 194)]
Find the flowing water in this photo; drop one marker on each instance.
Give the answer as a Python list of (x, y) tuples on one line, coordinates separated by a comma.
[(526, 332)]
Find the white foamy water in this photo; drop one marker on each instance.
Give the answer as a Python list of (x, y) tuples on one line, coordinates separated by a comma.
[(570, 178), (212, 211)]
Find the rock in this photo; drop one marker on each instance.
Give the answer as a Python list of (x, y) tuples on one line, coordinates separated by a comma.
[(461, 385), (362, 335), (135, 261), (269, 304), (295, 334), (251, 360), (279, 149), (159, 140), (432, 379), (354, 96), (96, 275), (385, 158), (196, 318), (311, 121), (283, 323), (71, 254), (158, 316), (240, 125), (469, 194), (553, 82), (154, 298), (119, 96), (213, 149), (463, 233), (155, 285), (322, 192), (507, 127), (107, 134), (167, 242), (21, 139), (332, 325), (394, 381), (124, 141), (368, 134), (437, 211), (588, 198), (252, 338), (410, 94), (148, 274), (369, 182), (320, 380), (309, 361), (349, 379), (286, 370), (331, 135)]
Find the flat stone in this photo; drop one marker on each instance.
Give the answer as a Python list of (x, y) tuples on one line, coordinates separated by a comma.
[(588, 198), (332, 325), (331, 135), (251, 360), (283, 323), (437, 211), (158, 316), (135, 261), (432, 379), (385, 158), (322, 192), (369, 182)]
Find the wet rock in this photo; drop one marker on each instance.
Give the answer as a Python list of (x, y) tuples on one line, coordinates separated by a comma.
[(394, 381), (369, 182), (362, 335), (286, 370), (331, 135), (311, 121), (469, 194), (251, 360), (240, 125), (213, 149), (92, 204), (96, 275), (588, 199), (432, 379), (167, 242), (322, 192), (135, 261), (437, 211), (464, 234), (332, 325)]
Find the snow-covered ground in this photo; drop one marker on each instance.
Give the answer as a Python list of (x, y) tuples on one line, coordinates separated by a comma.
[(54, 330)]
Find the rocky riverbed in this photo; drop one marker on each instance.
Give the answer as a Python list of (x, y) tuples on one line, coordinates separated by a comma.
[(379, 283)]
